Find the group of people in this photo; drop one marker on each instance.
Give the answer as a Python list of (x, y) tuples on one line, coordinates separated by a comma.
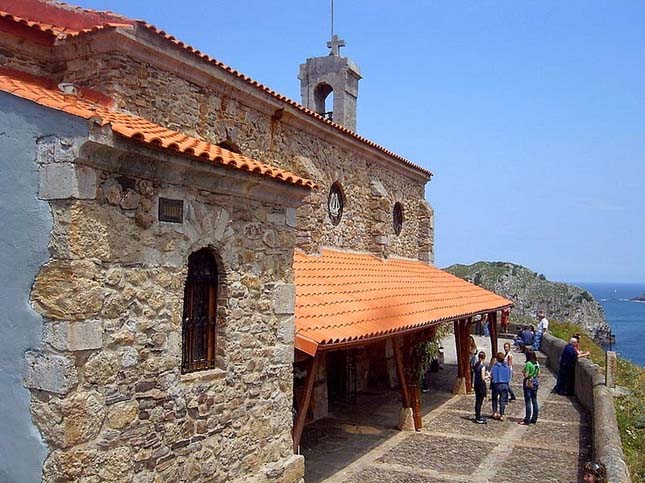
[(529, 337), (498, 375)]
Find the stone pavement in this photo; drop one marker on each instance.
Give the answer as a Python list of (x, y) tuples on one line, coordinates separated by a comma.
[(451, 447)]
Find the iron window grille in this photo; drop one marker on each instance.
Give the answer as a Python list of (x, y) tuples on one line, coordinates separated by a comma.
[(199, 323), (171, 211)]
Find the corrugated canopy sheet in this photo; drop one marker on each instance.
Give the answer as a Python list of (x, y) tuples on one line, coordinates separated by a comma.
[(349, 298)]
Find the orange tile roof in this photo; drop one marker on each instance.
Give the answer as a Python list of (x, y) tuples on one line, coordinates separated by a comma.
[(348, 298), (137, 128), (56, 30), (281, 97), (81, 20), (62, 18)]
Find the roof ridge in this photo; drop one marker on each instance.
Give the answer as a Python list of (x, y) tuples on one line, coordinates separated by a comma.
[(275, 94), (63, 17)]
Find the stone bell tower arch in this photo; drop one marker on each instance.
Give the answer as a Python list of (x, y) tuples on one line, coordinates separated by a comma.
[(335, 76)]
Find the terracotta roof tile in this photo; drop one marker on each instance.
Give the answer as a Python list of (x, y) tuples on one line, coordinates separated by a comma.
[(57, 31), (282, 98), (139, 129), (345, 298), (66, 20)]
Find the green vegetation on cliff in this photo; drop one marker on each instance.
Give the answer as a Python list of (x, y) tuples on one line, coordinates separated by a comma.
[(531, 291)]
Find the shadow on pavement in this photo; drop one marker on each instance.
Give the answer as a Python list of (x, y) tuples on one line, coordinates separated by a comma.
[(351, 431)]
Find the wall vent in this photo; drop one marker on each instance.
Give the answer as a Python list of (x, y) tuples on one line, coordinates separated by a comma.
[(171, 211)]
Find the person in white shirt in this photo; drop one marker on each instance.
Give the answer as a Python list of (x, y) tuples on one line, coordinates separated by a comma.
[(542, 328)]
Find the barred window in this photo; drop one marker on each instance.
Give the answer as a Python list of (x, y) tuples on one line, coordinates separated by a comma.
[(199, 324), (397, 218)]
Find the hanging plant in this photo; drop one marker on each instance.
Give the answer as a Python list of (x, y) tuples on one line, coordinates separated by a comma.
[(423, 353)]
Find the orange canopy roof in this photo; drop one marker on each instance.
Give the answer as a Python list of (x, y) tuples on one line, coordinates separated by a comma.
[(349, 298), (137, 128)]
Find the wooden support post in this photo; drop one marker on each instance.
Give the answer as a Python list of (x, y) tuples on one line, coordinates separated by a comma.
[(400, 373), (460, 363), (303, 404), (492, 328), (461, 341), (467, 354)]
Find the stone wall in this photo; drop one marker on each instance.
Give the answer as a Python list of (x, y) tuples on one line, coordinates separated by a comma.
[(30, 58), (221, 113), (107, 392), (592, 393)]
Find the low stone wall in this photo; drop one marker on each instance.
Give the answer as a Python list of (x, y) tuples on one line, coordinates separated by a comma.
[(592, 393)]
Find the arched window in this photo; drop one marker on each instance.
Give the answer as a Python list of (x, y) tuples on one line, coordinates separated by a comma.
[(397, 218), (199, 323), (335, 203), (324, 100)]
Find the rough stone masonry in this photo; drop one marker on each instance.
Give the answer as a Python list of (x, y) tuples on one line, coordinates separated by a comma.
[(106, 390)]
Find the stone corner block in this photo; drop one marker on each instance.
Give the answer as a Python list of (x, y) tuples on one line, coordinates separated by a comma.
[(382, 239), (378, 189), (285, 299), (292, 220), (406, 420), (67, 180), (276, 218), (55, 149), (293, 469), (74, 336), (286, 330), (49, 372)]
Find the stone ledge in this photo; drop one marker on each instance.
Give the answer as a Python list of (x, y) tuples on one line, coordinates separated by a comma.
[(208, 375)]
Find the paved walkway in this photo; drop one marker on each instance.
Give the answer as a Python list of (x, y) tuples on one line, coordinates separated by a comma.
[(354, 447)]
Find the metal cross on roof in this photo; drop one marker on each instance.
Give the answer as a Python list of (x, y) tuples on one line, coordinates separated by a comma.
[(335, 44)]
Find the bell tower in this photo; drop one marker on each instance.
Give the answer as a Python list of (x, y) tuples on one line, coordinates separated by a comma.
[(329, 85)]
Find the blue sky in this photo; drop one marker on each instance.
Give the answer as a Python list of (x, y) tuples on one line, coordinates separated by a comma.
[(531, 114)]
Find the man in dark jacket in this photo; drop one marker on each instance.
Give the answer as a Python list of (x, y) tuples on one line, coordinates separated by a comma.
[(567, 371)]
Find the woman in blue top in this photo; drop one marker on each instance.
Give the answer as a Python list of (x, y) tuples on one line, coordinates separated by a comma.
[(501, 377), (531, 373)]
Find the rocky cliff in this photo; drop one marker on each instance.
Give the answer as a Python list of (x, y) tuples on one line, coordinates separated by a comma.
[(531, 292)]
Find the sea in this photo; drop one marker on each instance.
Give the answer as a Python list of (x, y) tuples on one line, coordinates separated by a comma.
[(625, 317)]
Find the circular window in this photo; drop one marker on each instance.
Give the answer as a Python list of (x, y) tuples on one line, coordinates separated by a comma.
[(397, 218), (335, 204)]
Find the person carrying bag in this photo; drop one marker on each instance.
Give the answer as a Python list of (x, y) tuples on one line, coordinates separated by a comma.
[(531, 384)]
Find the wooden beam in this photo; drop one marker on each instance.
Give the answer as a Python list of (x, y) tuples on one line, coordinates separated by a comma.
[(303, 404), (400, 373)]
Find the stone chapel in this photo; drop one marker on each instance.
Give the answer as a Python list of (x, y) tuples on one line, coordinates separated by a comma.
[(194, 265)]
